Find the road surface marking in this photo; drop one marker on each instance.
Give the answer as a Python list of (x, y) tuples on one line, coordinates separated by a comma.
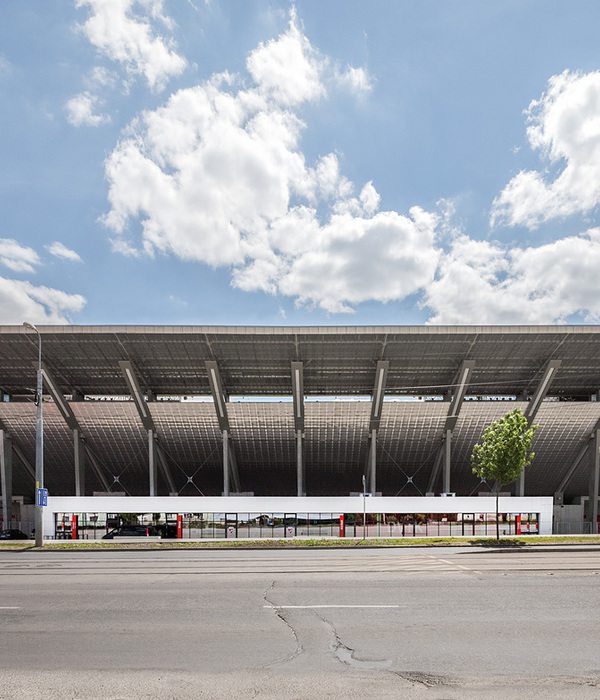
[(310, 607)]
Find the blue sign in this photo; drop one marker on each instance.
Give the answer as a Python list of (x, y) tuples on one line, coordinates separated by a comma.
[(42, 497)]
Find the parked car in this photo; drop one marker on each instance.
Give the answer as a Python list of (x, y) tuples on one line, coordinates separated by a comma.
[(13, 534), (132, 531)]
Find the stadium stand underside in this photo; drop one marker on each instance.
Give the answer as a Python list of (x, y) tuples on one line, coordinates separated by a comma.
[(118, 408)]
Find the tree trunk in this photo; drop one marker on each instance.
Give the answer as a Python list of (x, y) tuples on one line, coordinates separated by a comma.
[(497, 519)]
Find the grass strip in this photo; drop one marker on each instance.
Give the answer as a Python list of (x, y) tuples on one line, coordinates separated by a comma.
[(309, 543)]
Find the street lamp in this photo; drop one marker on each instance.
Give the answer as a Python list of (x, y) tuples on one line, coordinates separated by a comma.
[(39, 446)]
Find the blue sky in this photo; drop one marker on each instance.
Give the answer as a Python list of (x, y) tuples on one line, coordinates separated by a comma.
[(323, 162)]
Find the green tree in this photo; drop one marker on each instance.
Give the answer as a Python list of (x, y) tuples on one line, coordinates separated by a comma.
[(504, 452)]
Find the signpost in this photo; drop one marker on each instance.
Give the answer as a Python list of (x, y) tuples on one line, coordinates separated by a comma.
[(42, 497)]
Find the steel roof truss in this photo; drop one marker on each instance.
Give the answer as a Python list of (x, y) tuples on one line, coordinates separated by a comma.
[(136, 394), (298, 394), (218, 393), (549, 373)]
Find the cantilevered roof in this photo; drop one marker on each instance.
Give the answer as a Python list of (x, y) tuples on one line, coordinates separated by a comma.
[(256, 361)]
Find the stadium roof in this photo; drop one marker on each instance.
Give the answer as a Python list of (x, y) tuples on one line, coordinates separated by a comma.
[(255, 361), (336, 361)]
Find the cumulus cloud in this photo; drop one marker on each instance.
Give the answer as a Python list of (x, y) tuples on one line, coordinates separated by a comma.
[(288, 69), (349, 260), (124, 31), (484, 282), (21, 301), (217, 175), (16, 257), (60, 250), (564, 126), (80, 111)]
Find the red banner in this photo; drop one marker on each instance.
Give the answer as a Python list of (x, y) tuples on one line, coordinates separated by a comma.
[(179, 526)]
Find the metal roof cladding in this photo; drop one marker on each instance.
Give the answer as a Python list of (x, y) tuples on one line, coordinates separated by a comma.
[(337, 360)]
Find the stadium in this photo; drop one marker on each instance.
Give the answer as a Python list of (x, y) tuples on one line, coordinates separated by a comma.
[(269, 418)]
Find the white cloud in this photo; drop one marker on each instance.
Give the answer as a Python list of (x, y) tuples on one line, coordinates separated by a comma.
[(16, 257), (483, 282), (59, 250), (80, 111), (123, 30), (564, 125), (346, 261), (217, 175), (100, 77), (356, 80), (288, 69), (22, 301)]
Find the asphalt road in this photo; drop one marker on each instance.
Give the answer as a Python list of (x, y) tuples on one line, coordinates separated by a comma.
[(380, 623)]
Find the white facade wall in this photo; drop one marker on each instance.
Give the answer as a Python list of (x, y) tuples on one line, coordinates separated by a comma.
[(295, 504)]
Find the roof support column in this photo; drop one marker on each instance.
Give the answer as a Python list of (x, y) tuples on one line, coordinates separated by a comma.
[(152, 463), (447, 459), (148, 422), (79, 452), (533, 406), (6, 477), (583, 451), (226, 462), (594, 483), (71, 421), (559, 494), (230, 470), (375, 421), (460, 386), (373, 463), (299, 465), (298, 403)]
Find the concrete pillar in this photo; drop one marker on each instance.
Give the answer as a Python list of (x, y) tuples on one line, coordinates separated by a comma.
[(226, 463), (79, 452), (447, 460), (6, 477), (594, 482), (152, 463), (373, 484), (299, 464)]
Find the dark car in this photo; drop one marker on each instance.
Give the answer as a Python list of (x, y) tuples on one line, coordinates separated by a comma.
[(132, 531), (13, 534)]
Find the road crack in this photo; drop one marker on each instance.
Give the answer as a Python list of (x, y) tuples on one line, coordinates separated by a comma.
[(278, 612), (345, 654), (429, 680)]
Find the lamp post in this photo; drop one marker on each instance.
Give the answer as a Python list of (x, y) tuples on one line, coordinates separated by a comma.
[(39, 445)]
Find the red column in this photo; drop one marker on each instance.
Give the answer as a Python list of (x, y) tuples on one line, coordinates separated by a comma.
[(74, 528), (179, 526), (342, 525)]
